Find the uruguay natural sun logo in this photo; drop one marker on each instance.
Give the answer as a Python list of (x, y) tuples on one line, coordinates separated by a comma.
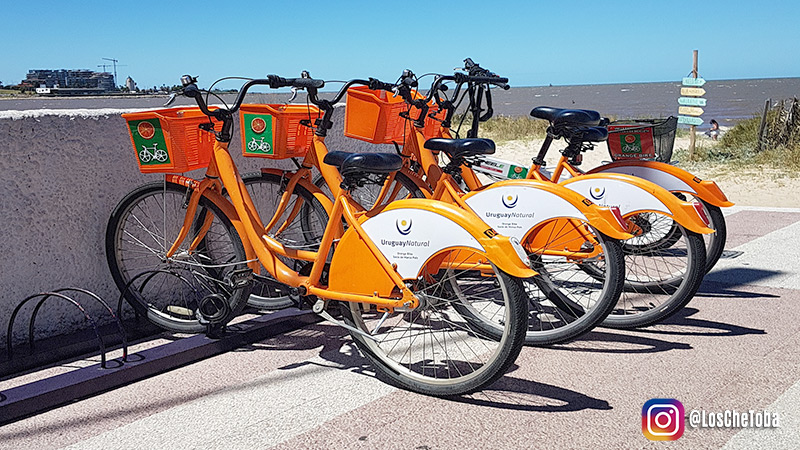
[(403, 226), (510, 201), (146, 130), (597, 192)]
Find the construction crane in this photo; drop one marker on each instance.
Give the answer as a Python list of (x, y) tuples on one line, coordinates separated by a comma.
[(114, 64)]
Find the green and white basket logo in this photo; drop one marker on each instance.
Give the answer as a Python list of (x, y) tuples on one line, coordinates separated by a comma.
[(631, 143), (258, 139), (149, 142)]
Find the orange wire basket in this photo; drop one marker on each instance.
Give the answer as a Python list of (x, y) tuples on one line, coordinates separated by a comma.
[(276, 131), (374, 116), (170, 140)]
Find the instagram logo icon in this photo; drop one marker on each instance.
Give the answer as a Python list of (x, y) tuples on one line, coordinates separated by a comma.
[(662, 419)]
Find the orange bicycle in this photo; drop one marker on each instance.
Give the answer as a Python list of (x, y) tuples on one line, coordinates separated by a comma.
[(417, 281), (660, 279), (562, 230)]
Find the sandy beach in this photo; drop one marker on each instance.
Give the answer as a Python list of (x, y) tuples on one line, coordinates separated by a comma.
[(749, 187)]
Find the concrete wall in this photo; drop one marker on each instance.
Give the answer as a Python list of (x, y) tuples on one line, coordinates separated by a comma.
[(61, 175)]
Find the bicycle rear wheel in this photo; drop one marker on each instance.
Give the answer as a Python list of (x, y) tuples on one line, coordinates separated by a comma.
[(660, 279), (169, 291), (303, 230), (573, 293), (436, 349)]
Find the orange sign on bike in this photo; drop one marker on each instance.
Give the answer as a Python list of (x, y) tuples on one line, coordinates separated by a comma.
[(169, 140), (276, 131)]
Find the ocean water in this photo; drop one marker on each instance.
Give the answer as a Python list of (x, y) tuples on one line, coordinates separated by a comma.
[(729, 101)]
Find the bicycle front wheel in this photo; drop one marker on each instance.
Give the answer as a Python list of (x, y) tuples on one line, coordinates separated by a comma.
[(436, 349), (169, 291)]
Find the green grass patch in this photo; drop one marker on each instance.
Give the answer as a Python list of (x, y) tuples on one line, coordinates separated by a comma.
[(505, 128), (738, 148)]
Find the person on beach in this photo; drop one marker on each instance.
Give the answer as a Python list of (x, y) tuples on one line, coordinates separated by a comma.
[(713, 133)]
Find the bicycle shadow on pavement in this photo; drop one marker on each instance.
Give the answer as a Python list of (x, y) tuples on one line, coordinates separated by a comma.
[(718, 283), (512, 393), (619, 342), (682, 324)]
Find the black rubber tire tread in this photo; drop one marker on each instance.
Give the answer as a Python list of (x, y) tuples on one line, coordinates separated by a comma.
[(716, 244), (236, 301), (512, 344)]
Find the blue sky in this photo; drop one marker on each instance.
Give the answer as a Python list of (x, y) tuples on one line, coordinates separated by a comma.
[(533, 43)]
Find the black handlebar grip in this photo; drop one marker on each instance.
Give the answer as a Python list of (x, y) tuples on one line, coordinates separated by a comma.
[(378, 85), (191, 91), (304, 83)]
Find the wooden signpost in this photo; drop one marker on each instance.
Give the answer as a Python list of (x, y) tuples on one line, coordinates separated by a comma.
[(691, 104), (691, 91), (692, 101), (690, 110)]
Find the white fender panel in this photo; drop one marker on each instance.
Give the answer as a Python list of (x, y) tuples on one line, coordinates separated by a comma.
[(409, 237), (666, 180), (514, 210), (608, 192)]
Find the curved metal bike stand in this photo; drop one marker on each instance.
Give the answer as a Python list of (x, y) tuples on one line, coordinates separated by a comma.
[(99, 300), (56, 294)]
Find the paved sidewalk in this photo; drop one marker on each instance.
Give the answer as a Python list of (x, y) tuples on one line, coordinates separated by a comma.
[(734, 347)]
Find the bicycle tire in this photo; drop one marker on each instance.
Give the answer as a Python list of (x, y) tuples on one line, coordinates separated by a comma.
[(141, 227), (400, 356), (715, 242), (305, 231), (646, 302)]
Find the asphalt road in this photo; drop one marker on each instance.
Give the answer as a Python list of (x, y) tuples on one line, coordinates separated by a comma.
[(734, 347)]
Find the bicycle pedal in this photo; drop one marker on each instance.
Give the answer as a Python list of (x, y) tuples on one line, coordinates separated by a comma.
[(241, 278)]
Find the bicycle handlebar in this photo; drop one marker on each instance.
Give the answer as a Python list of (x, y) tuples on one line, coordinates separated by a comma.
[(191, 90)]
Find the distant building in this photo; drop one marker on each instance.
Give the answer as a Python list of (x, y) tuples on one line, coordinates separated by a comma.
[(63, 81), (130, 84)]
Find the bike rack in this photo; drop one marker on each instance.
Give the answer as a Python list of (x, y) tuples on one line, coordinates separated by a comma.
[(59, 293)]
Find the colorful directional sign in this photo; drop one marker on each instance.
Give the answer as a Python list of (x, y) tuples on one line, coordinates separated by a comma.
[(690, 120), (692, 101), (697, 82), (693, 92), (690, 110)]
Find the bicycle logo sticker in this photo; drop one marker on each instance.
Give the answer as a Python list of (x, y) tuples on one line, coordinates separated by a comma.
[(258, 125), (510, 201), (633, 144), (146, 130), (258, 134), (403, 226), (597, 193), (148, 139)]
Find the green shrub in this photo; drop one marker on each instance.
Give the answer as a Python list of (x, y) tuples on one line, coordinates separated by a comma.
[(505, 128)]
